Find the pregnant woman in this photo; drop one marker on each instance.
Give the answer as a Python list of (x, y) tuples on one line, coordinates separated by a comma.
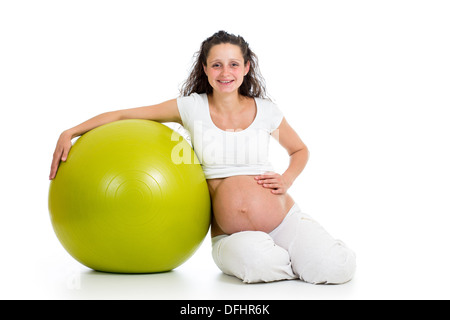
[(259, 234)]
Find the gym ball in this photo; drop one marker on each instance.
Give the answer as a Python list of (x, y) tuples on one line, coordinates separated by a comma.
[(131, 198)]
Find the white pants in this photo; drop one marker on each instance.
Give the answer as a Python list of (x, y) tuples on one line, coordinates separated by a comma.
[(299, 248)]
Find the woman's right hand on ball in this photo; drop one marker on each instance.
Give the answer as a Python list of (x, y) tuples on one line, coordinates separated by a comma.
[(61, 151)]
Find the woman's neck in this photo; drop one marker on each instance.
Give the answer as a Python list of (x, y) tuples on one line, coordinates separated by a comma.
[(226, 102)]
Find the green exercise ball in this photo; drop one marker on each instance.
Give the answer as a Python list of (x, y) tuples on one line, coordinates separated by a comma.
[(131, 198)]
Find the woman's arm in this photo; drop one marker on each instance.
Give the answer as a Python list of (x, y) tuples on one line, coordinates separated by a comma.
[(298, 154), (164, 112)]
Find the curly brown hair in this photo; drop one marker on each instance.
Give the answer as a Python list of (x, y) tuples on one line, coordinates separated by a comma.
[(197, 82)]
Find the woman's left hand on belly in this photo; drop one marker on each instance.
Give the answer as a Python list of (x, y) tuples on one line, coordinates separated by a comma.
[(274, 181)]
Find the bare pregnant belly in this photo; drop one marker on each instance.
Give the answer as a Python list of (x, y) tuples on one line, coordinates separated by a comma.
[(240, 204)]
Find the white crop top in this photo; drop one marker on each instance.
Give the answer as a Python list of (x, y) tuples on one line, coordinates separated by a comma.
[(228, 153)]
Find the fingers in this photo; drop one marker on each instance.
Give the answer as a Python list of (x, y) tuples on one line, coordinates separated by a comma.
[(267, 176), (278, 191), (64, 154), (272, 181), (55, 164), (268, 180), (60, 154)]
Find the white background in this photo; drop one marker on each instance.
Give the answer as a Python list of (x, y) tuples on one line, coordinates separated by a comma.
[(365, 84)]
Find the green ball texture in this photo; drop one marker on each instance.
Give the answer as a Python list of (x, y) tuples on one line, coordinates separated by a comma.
[(130, 198)]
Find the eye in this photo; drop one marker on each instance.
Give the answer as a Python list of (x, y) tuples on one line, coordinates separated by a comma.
[(216, 65)]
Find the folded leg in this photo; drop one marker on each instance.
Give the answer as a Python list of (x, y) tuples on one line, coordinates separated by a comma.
[(252, 256), (316, 256)]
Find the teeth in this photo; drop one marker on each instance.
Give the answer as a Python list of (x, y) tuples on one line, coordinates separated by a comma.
[(225, 81)]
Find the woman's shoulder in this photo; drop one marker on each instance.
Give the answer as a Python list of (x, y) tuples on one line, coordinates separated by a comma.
[(193, 99), (269, 112), (266, 103), (192, 107)]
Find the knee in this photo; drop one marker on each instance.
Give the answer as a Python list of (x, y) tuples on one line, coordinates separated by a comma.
[(253, 257), (336, 266)]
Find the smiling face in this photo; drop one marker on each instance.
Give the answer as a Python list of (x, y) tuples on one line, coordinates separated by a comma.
[(225, 68)]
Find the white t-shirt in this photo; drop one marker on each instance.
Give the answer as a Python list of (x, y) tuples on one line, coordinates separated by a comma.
[(228, 153)]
